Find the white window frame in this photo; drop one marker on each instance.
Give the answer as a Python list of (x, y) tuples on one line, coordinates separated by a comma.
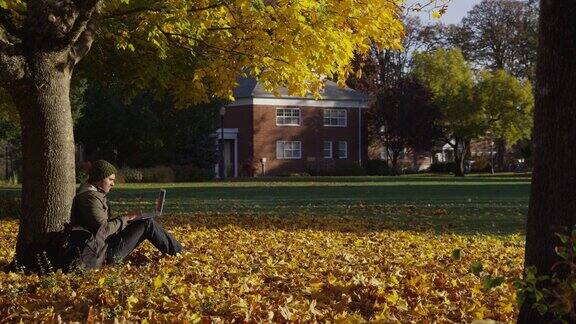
[(329, 116), (340, 156), (324, 150), (281, 150), (278, 118)]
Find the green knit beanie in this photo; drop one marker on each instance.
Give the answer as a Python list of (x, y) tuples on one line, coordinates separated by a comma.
[(100, 170)]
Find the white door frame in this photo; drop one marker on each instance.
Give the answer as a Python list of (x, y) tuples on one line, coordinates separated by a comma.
[(229, 134)]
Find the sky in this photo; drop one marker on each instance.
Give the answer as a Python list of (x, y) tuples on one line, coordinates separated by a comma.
[(457, 9)]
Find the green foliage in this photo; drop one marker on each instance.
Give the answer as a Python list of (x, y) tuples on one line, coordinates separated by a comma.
[(9, 120), (441, 167), (481, 163), (450, 79), (456, 254), (476, 267), (556, 294), (158, 174), (508, 104), (82, 172), (9, 207), (146, 131), (132, 175), (343, 168), (380, 168), (191, 173)]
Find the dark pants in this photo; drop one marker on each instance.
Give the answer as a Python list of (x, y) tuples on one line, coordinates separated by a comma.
[(125, 241)]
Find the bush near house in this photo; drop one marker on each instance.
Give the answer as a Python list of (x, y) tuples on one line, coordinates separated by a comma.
[(174, 173), (132, 175), (441, 167), (380, 168), (345, 169), (191, 173), (481, 164)]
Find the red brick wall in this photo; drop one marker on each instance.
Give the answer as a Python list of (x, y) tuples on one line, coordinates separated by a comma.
[(311, 133), (241, 117)]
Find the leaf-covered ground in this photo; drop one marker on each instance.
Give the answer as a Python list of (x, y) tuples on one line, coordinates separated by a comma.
[(268, 268)]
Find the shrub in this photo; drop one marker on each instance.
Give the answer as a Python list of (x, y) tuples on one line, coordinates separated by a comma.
[(82, 171), (481, 164), (442, 167), (159, 173), (293, 174), (247, 169), (10, 207), (345, 169), (132, 175), (191, 173), (379, 168)]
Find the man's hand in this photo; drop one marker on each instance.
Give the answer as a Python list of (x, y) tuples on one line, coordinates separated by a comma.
[(133, 214)]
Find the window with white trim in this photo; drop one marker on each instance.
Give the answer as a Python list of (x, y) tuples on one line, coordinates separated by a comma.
[(327, 149), (335, 117), (288, 149), (342, 149), (288, 116)]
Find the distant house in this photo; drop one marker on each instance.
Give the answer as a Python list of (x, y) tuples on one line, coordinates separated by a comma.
[(266, 134)]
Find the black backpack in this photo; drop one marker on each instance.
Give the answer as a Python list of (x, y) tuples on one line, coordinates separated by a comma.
[(77, 247)]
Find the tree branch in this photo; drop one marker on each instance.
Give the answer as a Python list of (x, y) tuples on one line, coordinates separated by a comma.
[(224, 50), (85, 13), (84, 42), (158, 10), (216, 5), (131, 12)]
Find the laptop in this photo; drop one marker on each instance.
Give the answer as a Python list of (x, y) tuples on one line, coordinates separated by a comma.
[(159, 207)]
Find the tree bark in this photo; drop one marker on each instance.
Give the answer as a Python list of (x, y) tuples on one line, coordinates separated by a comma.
[(460, 150), (552, 199), (36, 66), (48, 182)]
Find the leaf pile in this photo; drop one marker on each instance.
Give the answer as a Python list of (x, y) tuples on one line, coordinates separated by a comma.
[(280, 269)]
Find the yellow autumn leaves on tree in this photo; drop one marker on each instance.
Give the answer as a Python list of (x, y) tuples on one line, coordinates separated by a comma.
[(292, 43), (300, 268)]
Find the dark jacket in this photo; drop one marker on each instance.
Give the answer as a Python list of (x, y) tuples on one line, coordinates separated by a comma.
[(91, 224), (91, 211)]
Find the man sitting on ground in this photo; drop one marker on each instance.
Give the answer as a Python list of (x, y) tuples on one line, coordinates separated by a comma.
[(122, 235)]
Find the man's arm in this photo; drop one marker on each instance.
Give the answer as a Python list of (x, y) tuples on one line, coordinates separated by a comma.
[(95, 215)]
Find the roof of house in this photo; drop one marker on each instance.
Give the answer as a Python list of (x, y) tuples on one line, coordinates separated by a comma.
[(250, 88)]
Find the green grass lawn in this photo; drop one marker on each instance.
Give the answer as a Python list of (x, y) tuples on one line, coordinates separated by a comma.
[(474, 204)]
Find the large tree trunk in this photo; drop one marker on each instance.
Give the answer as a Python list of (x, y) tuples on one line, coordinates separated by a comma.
[(553, 194), (36, 63), (48, 182)]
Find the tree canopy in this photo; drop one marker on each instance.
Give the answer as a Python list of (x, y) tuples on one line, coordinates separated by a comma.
[(203, 45), (508, 104), (449, 78)]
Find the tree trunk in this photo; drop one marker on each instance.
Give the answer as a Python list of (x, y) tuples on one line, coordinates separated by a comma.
[(394, 159), (501, 154), (459, 155), (552, 200), (48, 182)]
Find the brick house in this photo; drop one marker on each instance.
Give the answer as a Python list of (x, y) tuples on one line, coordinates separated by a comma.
[(272, 135)]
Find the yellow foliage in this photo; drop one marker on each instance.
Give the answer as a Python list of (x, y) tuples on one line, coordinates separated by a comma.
[(283, 43), (268, 269)]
